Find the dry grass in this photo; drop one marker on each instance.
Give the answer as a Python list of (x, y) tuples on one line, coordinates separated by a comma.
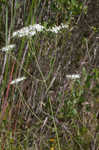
[(47, 110)]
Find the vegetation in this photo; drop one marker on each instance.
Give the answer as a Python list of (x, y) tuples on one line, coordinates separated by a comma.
[(50, 109)]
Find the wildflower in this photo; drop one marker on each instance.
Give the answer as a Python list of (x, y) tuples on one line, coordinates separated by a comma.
[(17, 80), (52, 148), (56, 29), (28, 31), (8, 47), (52, 140), (73, 76), (33, 29)]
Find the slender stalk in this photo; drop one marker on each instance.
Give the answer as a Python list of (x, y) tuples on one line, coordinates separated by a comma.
[(6, 26), (54, 125)]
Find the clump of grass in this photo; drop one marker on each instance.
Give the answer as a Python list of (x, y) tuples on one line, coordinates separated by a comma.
[(49, 100)]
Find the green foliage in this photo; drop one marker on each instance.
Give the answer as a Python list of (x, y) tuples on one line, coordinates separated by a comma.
[(73, 7), (53, 108), (3, 2)]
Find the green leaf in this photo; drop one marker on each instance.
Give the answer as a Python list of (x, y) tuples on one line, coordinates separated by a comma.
[(74, 2)]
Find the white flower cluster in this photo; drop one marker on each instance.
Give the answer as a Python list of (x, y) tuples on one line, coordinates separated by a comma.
[(56, 29), (33, 29), (29, 32), (18, 80), (8, 47), (73, 76)]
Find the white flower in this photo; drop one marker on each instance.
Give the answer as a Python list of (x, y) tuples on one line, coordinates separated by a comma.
[(8, 47), (17, 80), (32, 29), (73, 76), (56, 29), (28, 31), (38, 27)]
